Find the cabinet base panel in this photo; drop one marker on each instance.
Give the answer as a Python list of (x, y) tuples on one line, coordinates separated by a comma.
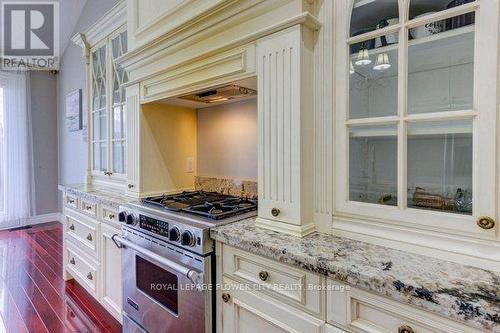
[(286, 228)]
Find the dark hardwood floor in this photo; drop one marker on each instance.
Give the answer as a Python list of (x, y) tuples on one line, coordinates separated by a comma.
[(33, 295)]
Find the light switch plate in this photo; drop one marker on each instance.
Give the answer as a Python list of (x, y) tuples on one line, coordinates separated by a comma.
[(189, 165)]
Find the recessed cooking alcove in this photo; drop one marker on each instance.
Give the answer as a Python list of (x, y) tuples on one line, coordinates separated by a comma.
[(209, 133)]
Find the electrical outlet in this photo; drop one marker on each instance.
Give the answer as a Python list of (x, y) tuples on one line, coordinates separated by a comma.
[(189, 165)]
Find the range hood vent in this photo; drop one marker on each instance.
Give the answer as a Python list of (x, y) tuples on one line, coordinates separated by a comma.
[(222, 94)]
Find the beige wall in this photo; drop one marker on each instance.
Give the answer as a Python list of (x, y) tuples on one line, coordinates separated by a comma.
[(169, 140), (227, 140)]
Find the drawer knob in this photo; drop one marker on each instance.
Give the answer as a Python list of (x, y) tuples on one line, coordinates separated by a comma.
[(275, 212), (263, 275), (71, 201), (130, 186), (89, 237), (71, 314), (226, 297), (88, 207), (111, 216), (107, 173), (72, 227), (72, 261), (486, 222), (406, 329), (89, 276)]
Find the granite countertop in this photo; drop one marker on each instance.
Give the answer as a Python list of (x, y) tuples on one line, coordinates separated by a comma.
[(456, 291), (107, 197)]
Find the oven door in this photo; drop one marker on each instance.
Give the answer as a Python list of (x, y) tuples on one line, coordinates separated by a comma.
[(161, 298)]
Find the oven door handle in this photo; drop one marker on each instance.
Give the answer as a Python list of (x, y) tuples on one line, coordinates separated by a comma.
[(191, 274)]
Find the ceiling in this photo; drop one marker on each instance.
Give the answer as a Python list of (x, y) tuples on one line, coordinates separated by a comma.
[(70, 11)]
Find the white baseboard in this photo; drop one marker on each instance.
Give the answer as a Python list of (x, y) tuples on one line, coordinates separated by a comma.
[(44, 218)]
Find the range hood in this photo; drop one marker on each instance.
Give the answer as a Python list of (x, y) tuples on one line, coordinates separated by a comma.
[(221, 94)]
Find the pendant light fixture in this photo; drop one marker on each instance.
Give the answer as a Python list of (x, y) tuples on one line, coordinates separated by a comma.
[(382, 62), (363, 57)]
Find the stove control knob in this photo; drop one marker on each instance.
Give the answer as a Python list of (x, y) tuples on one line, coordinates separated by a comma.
[(174, 234), (132, 219), (188, 238), (122, 216)]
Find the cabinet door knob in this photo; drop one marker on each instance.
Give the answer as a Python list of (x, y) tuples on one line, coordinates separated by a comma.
[(71, 314), (226, 297), (88, 207), (89, 237), (130, 186), (263, 275), (89, 276), (406, 329), (71, 201), (72, 261), (111, 216), (486, 222), (275, 212), (72, 227)]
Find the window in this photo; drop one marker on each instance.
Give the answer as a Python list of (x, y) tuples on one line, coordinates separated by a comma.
[(108, 142), (15, 179), (412, 122)]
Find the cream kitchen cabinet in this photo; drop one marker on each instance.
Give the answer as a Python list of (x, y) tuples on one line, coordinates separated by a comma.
[(273, 278), (148, 19), (246, 312), (285, 139), (356, 310), (90, 255), (111, 271), (416, 126), (249, 302), (102, 44)]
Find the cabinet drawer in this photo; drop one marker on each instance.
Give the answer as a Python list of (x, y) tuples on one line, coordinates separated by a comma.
[(287, 283), (246, 311), (360, 311), (110, 215), (88, 207), (83, 232), (83, 269), (71, 200)]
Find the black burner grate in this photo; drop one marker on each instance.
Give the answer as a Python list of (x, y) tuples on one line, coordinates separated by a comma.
[(209, 204)]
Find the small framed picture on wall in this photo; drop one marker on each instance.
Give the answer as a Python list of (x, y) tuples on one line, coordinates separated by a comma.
[(74, 119)]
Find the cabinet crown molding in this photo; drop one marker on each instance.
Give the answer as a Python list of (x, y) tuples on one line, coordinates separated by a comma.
[(161, 45), (109, 22)]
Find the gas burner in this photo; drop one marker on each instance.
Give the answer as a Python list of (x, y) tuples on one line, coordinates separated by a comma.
[(209, 204), (221, 209)]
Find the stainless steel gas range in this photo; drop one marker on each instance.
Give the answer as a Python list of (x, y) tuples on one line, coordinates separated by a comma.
[(168, 259)]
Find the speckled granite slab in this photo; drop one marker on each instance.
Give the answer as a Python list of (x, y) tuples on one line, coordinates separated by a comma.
[(463, 293), (240, 188), (110, 198)]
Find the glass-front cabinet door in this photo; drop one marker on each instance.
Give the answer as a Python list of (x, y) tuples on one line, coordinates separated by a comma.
[(107, 98), (119, 47), (99, 137), (417, 114)]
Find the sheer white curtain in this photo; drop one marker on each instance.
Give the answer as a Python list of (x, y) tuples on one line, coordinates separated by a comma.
[(15, 186)]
